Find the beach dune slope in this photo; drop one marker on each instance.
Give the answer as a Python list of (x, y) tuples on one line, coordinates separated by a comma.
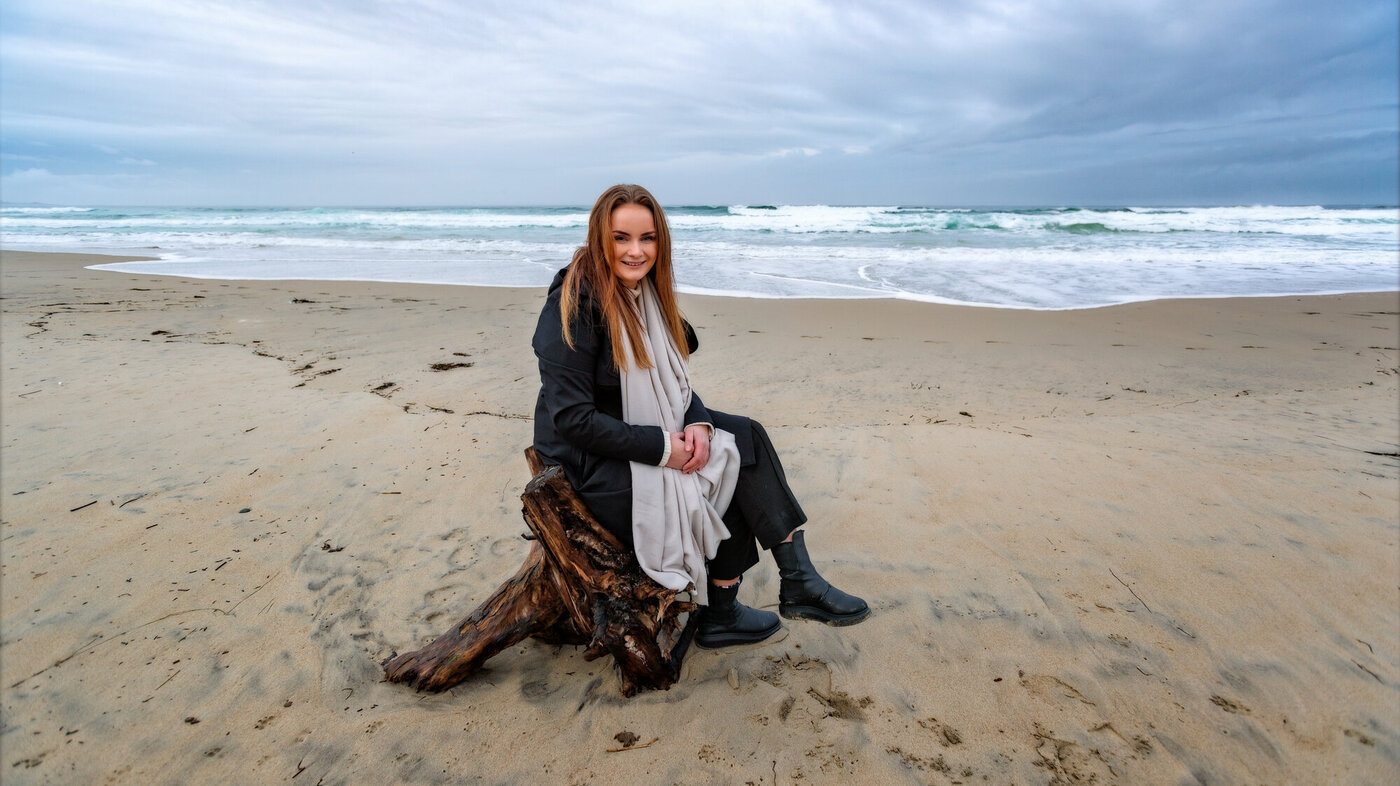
[(1153, 543)]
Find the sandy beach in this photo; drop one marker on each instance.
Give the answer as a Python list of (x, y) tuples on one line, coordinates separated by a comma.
[(1151, 543)]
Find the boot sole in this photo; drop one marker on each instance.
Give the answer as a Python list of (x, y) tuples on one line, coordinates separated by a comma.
[(821, 615), (735, 640)]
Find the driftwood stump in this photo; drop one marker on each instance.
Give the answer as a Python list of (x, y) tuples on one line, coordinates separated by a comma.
[(578, 585)]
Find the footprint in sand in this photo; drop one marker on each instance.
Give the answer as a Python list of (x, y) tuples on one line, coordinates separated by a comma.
[(807, 682), (1051, 689), (946, 735)]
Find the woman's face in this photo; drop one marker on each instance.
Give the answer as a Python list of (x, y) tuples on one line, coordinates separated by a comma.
[(634, 244)]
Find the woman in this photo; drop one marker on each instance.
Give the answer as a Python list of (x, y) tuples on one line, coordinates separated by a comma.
[(693, 491)]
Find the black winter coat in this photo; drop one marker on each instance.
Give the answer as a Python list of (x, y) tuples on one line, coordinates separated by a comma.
[(578, 416)]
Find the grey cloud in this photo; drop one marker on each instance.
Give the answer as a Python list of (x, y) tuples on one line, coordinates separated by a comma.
[(432, 102)]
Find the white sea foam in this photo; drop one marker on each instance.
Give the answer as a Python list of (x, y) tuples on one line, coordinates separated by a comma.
[(1047, 258)]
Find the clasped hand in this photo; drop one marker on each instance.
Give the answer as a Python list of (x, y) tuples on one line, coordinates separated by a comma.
[(690, 450)]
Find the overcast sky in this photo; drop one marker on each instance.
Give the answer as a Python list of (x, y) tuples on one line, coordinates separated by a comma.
[(439, 102)]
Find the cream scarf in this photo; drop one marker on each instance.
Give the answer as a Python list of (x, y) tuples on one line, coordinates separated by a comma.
[(676, 518)]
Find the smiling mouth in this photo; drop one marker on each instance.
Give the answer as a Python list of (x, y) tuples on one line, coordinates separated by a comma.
[(634, 264)]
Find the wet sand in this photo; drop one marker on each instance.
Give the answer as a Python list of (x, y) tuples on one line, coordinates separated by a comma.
[(1153, 543)]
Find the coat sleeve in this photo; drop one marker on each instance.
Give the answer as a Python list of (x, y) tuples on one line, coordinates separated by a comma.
[(697, 412), (569, 392)]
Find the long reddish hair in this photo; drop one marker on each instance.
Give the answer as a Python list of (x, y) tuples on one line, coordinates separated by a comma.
[(592, 269)]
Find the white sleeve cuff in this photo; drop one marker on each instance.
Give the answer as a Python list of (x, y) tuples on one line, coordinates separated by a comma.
[(666, 451)]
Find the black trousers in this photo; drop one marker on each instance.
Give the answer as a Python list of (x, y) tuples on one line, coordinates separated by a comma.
[(763, 512)]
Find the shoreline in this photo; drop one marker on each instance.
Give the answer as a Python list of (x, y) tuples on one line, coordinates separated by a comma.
[(1140, 543), (1043, 259), (699, 292)]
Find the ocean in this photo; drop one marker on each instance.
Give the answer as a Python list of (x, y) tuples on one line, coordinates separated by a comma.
[(1054, 258)]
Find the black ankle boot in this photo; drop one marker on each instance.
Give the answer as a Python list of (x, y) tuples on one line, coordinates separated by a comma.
[(804, 594), (726, 622)]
